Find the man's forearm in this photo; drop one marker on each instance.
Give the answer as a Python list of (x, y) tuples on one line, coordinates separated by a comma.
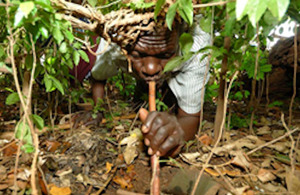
[(189, 123)]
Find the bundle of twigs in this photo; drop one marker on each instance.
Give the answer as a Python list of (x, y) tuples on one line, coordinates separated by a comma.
[(122, 26)]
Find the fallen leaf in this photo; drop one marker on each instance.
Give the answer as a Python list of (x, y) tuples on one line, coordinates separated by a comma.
[(266, 163), (54, 190), (241, 190), (205, 139), (249, 192), (130, 153), (293, 182), (63, 172), (264, 121), (122, 182), (135, 136), (233, 173), (3, 186), (191, 157), (281, 146), (108, 167), (273, 188), (208, 125), (130, 168), (52, 145), (263, 130), (241, 160), (11, 149), (212, 172), (265, 175), (24, 175)]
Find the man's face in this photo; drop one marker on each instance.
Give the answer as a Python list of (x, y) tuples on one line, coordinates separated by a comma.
[(151, 53)]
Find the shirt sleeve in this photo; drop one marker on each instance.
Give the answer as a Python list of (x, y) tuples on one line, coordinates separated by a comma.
[(187, 85)]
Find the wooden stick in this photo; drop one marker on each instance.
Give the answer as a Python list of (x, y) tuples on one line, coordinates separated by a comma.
[(155, 186)]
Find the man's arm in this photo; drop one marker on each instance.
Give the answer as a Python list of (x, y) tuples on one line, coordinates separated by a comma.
[(189, 123)]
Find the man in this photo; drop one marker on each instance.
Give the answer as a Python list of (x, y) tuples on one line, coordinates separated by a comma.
[(164, 133)]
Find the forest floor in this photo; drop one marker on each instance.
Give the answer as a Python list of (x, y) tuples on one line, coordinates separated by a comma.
[(111, 159)]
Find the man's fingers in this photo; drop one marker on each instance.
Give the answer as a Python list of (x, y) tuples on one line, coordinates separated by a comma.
[(170, 143), (160, 136), (143, 114)]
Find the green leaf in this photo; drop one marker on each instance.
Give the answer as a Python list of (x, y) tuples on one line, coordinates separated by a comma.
[(44, 32), (256, 10), (171, 15), (229, 25), (205, 23), (63, 47), (58, 36), (158, 7), (57, 84), (278, 7), (2, 52), (28, 62), (38, 121), (173, 63), (186, 42), (92, 2), (76, 57), (48, 83), (18, 17), (240, 9), (26, 7), (83, 55), (45, 4), (2, 64), (185, 10), (28, 148), (22, 130), (12, 98), (69, 35)]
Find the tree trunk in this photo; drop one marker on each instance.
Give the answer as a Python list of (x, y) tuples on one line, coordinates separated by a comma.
[(220, 101)]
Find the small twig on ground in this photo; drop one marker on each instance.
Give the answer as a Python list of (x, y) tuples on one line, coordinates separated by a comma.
[(16, 167), (124, 192), (8, 145), (43, 178), (108, 103), (292, 144), (136, 117), (230, 186), (212, 4), (295, 76), (271, 142), (107, 181), (219, 136), (88, 192)]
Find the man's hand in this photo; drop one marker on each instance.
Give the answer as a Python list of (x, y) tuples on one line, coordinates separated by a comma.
[(163, 133), (87, 118)]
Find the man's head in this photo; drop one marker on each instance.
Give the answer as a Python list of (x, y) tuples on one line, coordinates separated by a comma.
[(152, 52)]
